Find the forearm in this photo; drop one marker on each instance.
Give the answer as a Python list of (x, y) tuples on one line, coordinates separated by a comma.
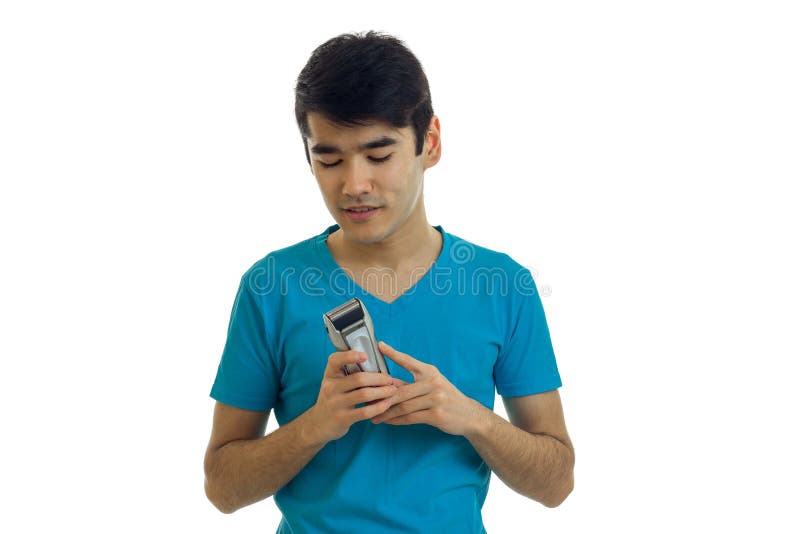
[(535, 465), (243, 472)]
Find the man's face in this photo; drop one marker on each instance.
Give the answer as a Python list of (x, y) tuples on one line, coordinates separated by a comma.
[(373, 167)]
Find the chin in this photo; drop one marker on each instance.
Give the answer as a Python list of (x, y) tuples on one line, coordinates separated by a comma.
[(364, 234)]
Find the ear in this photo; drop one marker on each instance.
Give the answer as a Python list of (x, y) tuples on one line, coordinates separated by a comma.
[(432, 148)]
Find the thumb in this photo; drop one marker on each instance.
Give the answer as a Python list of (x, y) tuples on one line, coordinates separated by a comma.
[(391, 352), (400, 358)]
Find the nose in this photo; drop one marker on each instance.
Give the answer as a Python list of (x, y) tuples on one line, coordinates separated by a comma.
[(356, 179)]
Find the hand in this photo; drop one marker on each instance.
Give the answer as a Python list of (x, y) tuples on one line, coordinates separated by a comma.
[(430, 399), (335, 411)]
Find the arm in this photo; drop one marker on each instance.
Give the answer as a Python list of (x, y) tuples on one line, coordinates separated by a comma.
[(242, 466), (532, 454)]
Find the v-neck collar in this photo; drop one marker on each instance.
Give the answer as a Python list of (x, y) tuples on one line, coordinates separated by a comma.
[(423, 285)]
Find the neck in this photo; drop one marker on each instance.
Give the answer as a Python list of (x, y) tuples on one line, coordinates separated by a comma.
[(411, 246)]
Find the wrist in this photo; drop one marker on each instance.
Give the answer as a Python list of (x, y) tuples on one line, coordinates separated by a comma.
[(481, 421), (310, 429)]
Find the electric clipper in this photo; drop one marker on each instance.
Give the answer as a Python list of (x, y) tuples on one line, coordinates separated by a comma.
[(350, 328)]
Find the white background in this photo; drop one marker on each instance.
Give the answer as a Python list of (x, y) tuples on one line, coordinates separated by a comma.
[(640, 157)]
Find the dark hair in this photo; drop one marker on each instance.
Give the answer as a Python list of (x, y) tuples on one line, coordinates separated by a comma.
[(354, 79)]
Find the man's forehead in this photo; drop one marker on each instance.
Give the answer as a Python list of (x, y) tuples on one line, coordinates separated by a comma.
[(324, 131)]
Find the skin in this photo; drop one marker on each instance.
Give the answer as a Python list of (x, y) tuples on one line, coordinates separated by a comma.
[(243, 466), (398, 237), (532, 453)]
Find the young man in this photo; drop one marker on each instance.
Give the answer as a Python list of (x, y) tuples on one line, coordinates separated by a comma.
[(370, 452)]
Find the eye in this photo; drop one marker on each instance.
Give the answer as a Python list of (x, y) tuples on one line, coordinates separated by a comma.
[(371, 158), (329, 165), (380, 160)]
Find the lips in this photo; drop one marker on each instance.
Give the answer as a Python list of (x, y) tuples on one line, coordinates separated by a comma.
[(360, 208), (360, 213)]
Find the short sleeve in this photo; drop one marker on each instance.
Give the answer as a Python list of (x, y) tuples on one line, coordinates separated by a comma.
[(526, 364), (247, 376)]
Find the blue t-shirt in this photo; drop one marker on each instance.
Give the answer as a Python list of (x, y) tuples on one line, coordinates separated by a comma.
[(475, 315)]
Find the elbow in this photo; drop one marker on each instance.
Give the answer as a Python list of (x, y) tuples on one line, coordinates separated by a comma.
[(555, 498), (564, 485), (215, 491), (216, 498)]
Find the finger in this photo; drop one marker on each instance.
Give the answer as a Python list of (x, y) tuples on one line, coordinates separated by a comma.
[(413, 366), (411, 391), (404, 408), (365, 379), (372, 410), (414, 418), (399, 382), (368, 394), (337, 360)]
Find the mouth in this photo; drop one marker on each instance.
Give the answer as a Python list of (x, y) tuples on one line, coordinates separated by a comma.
[(361, 213)]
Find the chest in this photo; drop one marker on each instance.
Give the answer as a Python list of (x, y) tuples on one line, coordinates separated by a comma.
[(386, 284)]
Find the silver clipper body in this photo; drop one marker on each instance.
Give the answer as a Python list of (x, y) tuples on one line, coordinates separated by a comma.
[(350, 328)]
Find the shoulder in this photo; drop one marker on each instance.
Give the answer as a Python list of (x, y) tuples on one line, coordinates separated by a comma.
[(469, 254), (301, 253), (280, 266), (488, 274)]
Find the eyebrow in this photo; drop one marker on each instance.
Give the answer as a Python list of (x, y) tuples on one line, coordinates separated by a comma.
[(376, 143)]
